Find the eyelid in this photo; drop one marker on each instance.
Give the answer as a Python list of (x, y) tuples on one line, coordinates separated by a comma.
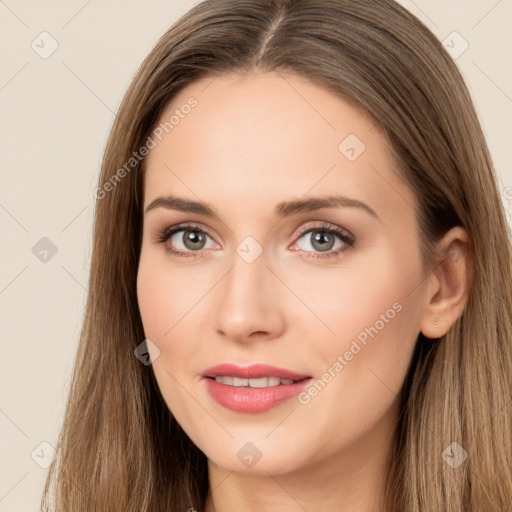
[(166, 233), (162, 236), (328, 227), (347, 238)]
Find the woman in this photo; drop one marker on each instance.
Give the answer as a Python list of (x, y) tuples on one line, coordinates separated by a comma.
[(301, 290)]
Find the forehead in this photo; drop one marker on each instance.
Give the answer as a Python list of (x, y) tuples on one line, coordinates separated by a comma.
[(270, 134)]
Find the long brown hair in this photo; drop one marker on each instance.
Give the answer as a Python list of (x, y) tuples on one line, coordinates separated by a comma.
[(119, 446)]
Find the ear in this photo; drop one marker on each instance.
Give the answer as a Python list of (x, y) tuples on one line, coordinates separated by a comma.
[(449, 283)]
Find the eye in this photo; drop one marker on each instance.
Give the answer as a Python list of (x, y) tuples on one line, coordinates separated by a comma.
[(189, 240), (185, 239), (324, 241)]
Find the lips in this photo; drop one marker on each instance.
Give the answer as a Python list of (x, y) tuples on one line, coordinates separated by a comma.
[(255, 371), (253, 389)]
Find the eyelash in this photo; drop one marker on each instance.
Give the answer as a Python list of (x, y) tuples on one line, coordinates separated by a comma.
[(347, 238)]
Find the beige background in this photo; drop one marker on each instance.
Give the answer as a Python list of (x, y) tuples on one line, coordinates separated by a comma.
[(56, 114)]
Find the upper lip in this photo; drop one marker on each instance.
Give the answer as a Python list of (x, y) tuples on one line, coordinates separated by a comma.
[(254, 371)]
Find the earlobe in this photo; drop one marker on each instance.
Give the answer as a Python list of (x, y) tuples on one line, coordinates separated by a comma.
[(448, 290), (432, 329)]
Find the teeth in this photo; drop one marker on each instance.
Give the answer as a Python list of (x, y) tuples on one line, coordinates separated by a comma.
[(262, 382)]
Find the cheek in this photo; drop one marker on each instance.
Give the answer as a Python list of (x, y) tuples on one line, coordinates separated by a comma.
[(372, 310), (161, 304), (153, 300), (361, 369), (171, 301), (165, 294), (374, 290)]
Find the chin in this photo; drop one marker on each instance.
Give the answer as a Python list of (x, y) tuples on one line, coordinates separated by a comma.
[(257, 456)]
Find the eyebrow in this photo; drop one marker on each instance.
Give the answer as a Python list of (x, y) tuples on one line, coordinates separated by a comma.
[(284, 209)]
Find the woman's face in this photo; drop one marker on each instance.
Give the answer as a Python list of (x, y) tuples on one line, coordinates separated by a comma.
[(296, 247)]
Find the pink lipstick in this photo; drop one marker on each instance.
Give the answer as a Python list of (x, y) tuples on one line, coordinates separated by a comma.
[(253, 389)]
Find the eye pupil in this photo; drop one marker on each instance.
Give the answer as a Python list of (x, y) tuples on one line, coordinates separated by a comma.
[(193, 239), (320, 237)]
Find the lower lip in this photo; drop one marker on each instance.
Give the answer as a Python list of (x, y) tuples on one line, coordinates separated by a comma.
[(253, 400)]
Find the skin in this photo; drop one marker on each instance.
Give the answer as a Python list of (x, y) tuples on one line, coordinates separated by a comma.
[(252, 142)]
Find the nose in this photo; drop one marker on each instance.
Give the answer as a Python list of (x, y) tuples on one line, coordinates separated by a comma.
[(249, 302)]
